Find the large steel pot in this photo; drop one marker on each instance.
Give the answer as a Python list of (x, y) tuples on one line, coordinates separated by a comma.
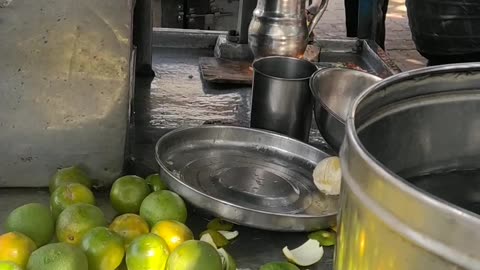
[(412, 125)]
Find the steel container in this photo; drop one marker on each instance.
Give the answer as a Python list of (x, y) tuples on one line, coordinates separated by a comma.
[(250, 177), (280, 27), (333, 90), (414, 124), (281, 98), (66, 78)]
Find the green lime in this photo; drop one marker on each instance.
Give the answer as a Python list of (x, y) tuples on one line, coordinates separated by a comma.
[(163, 205), (127, 194), (69, 175), (219, 225), (147, 251), (279, 266), (326, 238), (196, 255), (58, 256), (4, 265), (76, 220), (104, 249), (34, 220), (156, 183), (70, 194)]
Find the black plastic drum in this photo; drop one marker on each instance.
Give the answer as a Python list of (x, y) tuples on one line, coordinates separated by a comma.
[(445, 27)]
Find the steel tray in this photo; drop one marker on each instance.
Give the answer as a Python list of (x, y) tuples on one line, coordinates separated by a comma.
[(247, 176)]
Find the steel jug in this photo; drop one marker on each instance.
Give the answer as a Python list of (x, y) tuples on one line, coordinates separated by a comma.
[(280, 27)]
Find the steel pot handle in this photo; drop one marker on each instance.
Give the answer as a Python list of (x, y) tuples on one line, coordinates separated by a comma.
[(318, 15)]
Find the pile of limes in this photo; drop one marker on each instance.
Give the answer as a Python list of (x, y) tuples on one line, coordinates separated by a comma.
[(149, 232)]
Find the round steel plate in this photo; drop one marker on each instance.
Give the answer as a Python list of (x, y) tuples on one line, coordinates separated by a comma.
[(247, 176)]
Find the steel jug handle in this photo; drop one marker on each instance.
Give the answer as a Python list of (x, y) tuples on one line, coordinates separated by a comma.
[(316, 18)]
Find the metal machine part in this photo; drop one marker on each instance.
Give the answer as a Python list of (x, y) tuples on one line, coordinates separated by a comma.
[(334, 89), (245, 16), (65, 82), (142, 37), (196, 14), (419, 124), (250, 177)]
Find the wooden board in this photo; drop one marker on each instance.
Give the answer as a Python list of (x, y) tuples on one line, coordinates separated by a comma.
[(219, 70)]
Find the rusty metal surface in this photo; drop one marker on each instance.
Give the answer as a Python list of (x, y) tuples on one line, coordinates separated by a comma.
[(356, 54), (346, 52)]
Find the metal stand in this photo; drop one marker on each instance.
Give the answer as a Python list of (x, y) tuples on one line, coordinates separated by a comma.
[(235, 44), (142, 37), (244, 17)]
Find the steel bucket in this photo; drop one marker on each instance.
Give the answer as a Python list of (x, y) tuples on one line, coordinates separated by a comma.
[(411, 147)]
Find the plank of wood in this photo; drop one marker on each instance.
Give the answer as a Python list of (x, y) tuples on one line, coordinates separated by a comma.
[(219, 70)]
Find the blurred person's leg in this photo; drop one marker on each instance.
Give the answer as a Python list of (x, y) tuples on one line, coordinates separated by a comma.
[(376, 21), (382, 10), (351, 17)]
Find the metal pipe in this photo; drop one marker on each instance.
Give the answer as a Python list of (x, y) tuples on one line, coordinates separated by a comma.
[(245, 13), (142, 37)]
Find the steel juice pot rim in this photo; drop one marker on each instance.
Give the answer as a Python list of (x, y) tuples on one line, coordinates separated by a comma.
[(352, 135), (353, 144)]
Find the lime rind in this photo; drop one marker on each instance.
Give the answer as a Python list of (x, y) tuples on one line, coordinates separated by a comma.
[(228, 262), (327, 176), (305, 255), (325, 238), (229, 235), (219, 225), (218, 238), (207, 238)]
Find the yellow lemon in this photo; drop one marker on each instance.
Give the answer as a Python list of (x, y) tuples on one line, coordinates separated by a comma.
[(173, 232), (16, 247)]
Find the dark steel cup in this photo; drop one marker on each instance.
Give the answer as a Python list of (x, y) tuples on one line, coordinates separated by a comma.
[(281, 99)]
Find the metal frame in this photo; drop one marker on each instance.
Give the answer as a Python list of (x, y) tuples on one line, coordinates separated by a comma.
[(245, 13)]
